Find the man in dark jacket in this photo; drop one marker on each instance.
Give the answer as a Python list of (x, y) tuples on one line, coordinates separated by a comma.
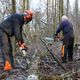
[(12, 26), (68, 38)]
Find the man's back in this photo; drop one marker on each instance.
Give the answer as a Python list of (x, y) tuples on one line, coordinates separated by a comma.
[(67, 28), (9, 24)]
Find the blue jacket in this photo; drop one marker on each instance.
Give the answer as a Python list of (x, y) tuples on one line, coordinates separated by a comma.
[(13, 26), (67, 29)]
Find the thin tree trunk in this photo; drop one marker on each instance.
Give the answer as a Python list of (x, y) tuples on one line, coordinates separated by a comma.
[(26, 4), (60, 10), (13, 38), (67, 12), (23, 7), (13, 6), (47, 17), (54, 15), (26, 7), (76, 29)]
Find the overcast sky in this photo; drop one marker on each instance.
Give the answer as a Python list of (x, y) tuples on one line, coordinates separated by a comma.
[(36, 3)]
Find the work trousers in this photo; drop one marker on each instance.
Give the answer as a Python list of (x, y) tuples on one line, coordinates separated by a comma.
[(68, 50), (6, 48)]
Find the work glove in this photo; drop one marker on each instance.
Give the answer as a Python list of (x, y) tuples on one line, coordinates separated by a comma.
[(23, 48), (56, 37)]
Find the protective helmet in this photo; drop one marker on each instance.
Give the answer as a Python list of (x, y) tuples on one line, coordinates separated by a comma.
[(64, 17), (28, 15)]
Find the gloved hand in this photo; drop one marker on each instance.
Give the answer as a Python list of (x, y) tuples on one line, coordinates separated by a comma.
[(22, 46), (56, 37)]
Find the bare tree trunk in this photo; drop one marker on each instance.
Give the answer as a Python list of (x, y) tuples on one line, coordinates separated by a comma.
[(67, 12), (60, 9), (13, 38), (23, 7), (54, 7), (47, 17), (26, 27), (26, 4), (13, 6), (59, 12), (76, 12), (55, 18)]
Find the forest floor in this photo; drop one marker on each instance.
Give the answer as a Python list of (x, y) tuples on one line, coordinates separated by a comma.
[(40, 63)]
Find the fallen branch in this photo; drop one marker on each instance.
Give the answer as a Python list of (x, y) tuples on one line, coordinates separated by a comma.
[(53, 56)]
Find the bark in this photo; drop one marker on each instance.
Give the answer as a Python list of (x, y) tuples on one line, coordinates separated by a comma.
[(13, 38)]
